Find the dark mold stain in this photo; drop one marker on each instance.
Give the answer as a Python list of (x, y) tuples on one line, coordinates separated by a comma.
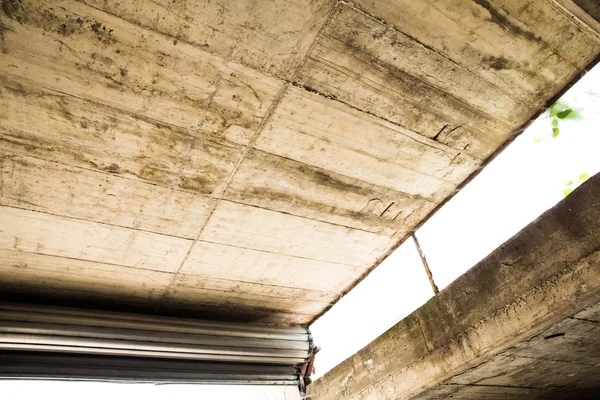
[(155, 173), (14, 10), (103, 59), (96, 27), (20, 141), (113, 168), (404, 112), (554, 335), (113, 85), (70, 26), (290, 193), (377, 34), (499, 19), (323, 178), (310, 89), (100, 30), (276, 199), (47, 19), (197, 184), (497, 63), (2, 30)]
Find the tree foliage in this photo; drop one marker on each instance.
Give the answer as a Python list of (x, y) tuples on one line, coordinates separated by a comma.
[(561, 111), (571, 185), (557, 112)]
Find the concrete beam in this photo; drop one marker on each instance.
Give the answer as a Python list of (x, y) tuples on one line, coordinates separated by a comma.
[(544, 275)]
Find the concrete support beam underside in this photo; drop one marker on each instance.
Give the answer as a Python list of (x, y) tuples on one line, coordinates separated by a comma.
[(523, 323)]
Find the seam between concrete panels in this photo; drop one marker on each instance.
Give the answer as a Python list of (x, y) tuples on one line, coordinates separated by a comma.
[(218, 195), (278, 98)]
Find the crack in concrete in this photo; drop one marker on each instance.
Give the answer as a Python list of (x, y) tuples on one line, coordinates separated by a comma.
[(554, 360), (585, 320), (437, 135), (491, 386), (425, 141)]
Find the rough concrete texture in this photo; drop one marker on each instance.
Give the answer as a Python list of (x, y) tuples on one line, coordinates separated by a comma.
[(592, 7), (522, 323), (252, 160)]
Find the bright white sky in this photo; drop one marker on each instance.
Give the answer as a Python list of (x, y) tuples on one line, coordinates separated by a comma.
[(58, 390), (523, 182)]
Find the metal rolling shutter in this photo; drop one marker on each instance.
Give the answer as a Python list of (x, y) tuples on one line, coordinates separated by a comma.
[(59, 343)]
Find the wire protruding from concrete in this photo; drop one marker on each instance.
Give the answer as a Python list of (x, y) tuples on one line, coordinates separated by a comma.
[(424, 260)]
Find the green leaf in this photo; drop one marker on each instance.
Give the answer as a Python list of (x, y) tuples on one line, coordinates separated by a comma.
[(575, 115), (564, 113), (561, 110), (554, 122), (556, 108), (555, 132), (583, 177), (567, 191), (569, 183)]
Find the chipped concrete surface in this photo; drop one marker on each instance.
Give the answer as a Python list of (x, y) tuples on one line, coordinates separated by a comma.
[(252, 159), (522, 323)]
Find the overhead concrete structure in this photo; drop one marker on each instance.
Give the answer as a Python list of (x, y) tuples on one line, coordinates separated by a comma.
[(524, 323), (252, 160)]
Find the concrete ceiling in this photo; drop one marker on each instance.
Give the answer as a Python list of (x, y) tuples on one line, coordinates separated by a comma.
[(252, 159)]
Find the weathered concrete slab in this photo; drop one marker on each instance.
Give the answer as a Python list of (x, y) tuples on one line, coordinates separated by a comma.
[(455, 56), (282, 184), (271, 36), (443, 392), (573, 340), (259, 229), (225, 261), (537, 372), (307, 136), (30, 183), (318, 131), (560, 362), (372, 66), (36, 121), (261, 303), (40, 233), (482, 36), (77, 280), (493, 326), (82, 51)]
